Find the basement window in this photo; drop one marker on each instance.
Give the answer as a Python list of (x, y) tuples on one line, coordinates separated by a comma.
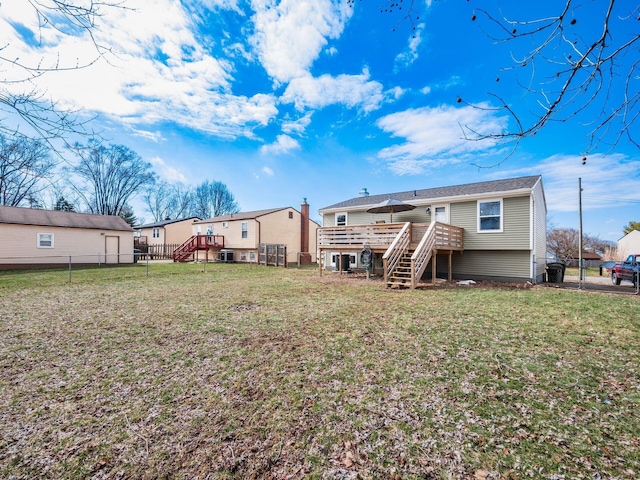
[(45, 240)]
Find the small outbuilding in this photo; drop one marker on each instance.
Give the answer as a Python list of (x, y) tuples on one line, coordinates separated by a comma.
[(34, 237)]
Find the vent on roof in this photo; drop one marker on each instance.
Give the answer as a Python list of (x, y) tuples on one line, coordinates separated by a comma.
[(363, 192)]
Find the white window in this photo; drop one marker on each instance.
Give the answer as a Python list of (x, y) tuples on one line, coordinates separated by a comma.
[(245, 230), (252, 256), (490, 215), (341, 219), (335, 256), (45, 240), (156, 233), (225, 224), (243, 256)]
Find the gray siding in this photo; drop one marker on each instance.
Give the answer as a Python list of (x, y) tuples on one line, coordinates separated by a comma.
[(516, 232), (501, 265), (418, 215)]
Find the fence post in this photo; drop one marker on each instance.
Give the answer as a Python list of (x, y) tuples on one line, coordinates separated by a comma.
[(69, 268), (147, 265)]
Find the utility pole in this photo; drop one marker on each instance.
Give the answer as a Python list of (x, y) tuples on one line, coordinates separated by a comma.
[(580, 275)]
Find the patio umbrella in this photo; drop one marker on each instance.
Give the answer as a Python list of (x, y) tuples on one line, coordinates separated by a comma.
[(390, 206)]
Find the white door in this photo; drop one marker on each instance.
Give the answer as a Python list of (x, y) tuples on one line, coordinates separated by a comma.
[(112, 249), (441, 214)]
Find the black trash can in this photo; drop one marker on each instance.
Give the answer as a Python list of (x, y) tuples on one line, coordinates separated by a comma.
[(555, 272), (136, 254)]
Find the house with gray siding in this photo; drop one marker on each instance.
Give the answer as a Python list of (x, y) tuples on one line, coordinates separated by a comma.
[(493, 230)]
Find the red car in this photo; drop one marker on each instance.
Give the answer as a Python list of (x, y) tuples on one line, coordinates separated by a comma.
[(627, 270)]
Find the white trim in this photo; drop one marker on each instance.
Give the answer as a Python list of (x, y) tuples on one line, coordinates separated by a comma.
[(40, 239), (490, 200)]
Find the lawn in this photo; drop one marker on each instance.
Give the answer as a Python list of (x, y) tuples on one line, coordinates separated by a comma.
[(255, 372)]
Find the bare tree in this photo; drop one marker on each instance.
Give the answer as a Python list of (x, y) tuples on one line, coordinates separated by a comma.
[(563, 243), (212, 199), (110, 176), (24, 166), (576, 72), (20, 97), (579, 61), (167, 201)]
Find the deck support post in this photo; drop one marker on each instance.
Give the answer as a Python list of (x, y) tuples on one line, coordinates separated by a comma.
[(450, 265), (434, 256)]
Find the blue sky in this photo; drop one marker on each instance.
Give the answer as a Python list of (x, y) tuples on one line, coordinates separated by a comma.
[(292, 99)]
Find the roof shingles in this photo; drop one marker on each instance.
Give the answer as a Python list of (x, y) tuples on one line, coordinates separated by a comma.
[(56, 218), (468, 189)]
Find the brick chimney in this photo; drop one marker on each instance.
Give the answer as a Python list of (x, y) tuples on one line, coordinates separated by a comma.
[(305, 256)]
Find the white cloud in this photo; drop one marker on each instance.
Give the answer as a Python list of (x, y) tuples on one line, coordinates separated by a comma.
[(425, 90), (606, 180), (167, 172), (267, 171), (350, 90), (290, 34), (331, 51), (434, 136), (157, 71), (283, 144), (297, 126), (410, 55)]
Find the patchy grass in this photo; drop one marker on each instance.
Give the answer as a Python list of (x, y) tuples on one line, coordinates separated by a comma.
[(245, 372)]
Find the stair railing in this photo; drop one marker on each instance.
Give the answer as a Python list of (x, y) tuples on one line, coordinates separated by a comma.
[(392, 256), (185, 249), (422, 254)]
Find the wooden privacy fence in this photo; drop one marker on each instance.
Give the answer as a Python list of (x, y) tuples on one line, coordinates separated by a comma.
[(156, 252), (272, 254)]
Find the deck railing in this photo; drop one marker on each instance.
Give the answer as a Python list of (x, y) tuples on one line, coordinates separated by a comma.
[(394, 253), (438, 236), (197, 242), (422, 254), (358, 236)]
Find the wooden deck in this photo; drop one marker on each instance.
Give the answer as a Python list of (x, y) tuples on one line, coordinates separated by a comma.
[(406, 247)]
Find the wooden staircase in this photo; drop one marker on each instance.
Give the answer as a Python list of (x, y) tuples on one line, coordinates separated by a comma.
[(400, 277), (186, 251), (407, 257)]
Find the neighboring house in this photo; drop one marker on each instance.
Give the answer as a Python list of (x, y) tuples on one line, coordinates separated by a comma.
[(164, 236), (589, 259), (238, 237), (485, 231), (30, 237), (628, 245)]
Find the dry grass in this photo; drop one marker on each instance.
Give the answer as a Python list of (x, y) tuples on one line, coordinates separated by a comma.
[(265, 373)]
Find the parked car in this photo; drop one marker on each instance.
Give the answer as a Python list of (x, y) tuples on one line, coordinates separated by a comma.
[(627, 270)]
